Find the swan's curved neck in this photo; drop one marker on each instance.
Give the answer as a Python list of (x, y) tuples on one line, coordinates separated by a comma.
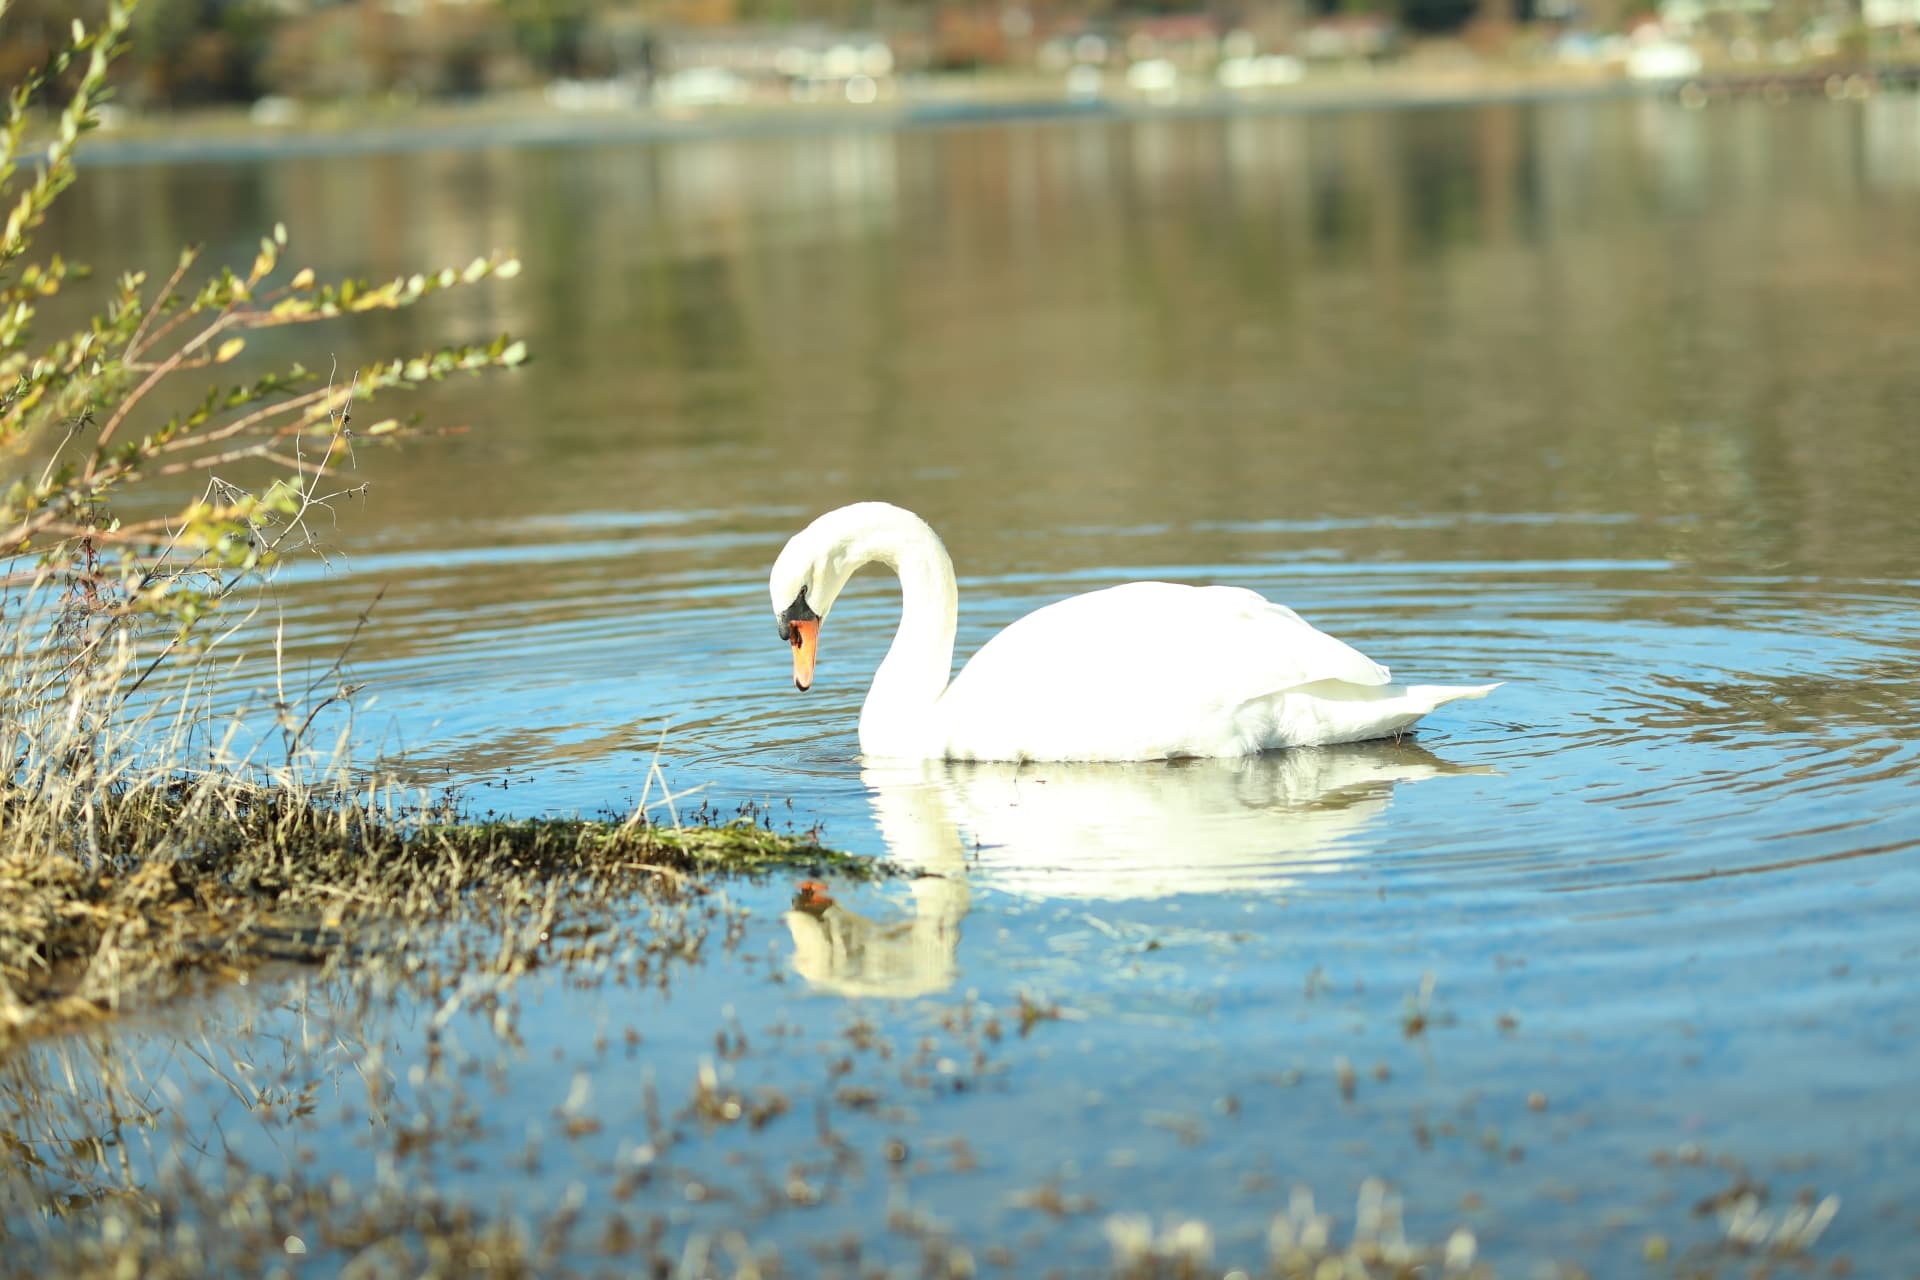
[(899, 710)]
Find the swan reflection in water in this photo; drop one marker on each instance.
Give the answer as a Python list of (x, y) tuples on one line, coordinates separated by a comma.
[(1107, 831)]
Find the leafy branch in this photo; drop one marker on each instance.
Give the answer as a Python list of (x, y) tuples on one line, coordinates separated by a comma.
[(98, 414)]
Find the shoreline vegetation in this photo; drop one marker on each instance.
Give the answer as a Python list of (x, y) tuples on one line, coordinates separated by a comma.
[(145, 839), (219, 878)]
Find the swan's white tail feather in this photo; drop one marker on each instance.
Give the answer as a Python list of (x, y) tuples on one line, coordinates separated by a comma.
[(1333, 711), (1429, 696)]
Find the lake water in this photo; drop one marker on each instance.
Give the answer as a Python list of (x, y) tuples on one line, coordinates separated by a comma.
[(1613, 401)]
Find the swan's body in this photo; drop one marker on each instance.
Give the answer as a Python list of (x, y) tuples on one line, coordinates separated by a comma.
[(1145, 671)]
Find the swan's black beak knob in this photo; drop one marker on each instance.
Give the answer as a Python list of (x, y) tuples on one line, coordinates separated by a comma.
[(800, 627)]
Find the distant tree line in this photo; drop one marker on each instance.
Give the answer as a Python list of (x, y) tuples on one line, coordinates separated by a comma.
[(184, 51)]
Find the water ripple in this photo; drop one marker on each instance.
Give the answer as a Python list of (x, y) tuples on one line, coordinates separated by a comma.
[(1658, 726)]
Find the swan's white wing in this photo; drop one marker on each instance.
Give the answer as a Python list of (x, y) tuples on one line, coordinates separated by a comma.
[(1145, 669)]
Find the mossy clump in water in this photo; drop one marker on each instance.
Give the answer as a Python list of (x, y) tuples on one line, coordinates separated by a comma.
[(580, 846), (144, 886)]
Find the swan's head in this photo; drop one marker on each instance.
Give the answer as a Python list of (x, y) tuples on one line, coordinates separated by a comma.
[(800, 627), (817, 561), (806, 580)]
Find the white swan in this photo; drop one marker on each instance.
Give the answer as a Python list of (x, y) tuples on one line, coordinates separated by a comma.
[(1145, 671)]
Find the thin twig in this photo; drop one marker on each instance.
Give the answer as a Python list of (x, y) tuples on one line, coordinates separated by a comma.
[(159, 302)]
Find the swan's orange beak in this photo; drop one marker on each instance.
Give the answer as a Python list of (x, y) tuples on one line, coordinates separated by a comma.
[(812, 898), (806, 642)]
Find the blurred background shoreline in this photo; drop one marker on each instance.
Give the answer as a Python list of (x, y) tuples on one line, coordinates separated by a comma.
[(214, 77)]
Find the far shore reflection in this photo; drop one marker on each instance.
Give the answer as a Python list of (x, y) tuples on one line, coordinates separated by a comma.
[(1091, 831)]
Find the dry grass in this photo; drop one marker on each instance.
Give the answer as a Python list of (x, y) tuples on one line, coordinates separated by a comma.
[(149, 838), (217, 876)]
